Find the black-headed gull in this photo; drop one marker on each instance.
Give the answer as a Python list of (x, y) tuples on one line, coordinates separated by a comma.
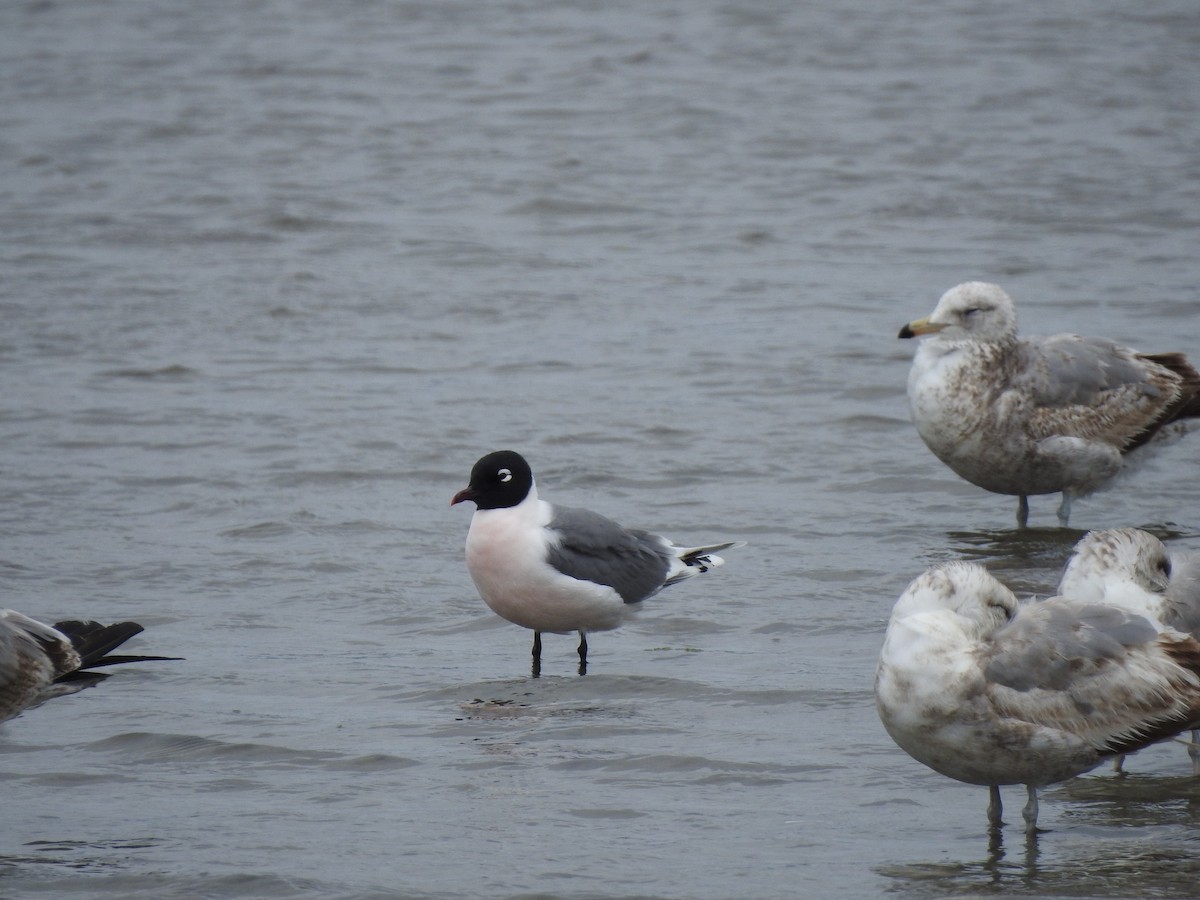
[(1035, 415), (989, 691), (39, 661), (1131, 568), (557, 569)]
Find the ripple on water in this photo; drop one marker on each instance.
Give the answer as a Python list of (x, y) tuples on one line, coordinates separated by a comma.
[(152, 747)]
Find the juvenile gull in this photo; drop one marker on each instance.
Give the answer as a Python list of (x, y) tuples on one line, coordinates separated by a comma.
[(558, 569), (38, 661), (1131, 568), (1035, 415), (989, 691)]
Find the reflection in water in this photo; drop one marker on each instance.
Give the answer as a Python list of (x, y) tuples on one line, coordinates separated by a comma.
[(1035, 546), (1118, 869), (1095, 856), (1031, 560), (1026, 870), (1132, 800), (1016, 546), (995, 871)]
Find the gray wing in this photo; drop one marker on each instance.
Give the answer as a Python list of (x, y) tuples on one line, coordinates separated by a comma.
[(1049, 645), (1100, 673), (593, 548), (1094, 388)]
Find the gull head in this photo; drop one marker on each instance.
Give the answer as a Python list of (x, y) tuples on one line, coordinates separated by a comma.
[(1116, 560), (972, 311), (498, 480), (978, 601)]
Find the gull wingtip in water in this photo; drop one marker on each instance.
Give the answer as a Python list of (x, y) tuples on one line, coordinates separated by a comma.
[(989, 691), (1025, 416), (559, 569), (40, 661)]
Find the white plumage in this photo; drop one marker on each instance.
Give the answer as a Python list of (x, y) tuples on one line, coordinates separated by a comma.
[(989, 691), (558, 569)]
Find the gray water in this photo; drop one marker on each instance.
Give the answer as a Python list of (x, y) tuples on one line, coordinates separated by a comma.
[(277, 273)]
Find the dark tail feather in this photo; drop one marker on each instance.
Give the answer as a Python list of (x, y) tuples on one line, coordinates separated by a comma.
[(705, 558), (1186, 405), (703, 555), (94, 642)]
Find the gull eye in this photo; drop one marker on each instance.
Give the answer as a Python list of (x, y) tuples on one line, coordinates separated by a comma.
[(972, 310), (505, 475)]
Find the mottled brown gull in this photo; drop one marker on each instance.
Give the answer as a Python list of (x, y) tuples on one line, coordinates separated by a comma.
[(989, 691), (1131, 568), (1036, 415), (38, 661)]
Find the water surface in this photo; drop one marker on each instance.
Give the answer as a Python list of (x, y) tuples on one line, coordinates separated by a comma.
[(278, 273)]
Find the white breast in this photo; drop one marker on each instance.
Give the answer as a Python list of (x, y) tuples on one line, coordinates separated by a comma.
[(506, 556)]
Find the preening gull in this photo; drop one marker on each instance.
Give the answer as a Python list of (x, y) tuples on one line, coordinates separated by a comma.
[(989, 691), (558, 569), (1036, 415), (1131, 568), (39, 661)]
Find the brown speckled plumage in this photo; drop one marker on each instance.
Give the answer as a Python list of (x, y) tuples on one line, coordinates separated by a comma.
[(1036, 415), (990, 691), (39, 661)]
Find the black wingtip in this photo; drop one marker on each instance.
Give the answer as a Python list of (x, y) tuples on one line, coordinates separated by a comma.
[(95, 642), (121, 658), (92, 641)]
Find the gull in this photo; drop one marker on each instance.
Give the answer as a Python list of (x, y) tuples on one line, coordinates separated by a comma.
[(1036, 415), (989, 691), (1131, 568), (40, 661), (558, 569)]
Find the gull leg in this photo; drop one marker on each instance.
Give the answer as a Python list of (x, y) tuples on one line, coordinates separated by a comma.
[(1064, 510), (995, 807), (537, 654), (1119, 764), (1194, 751), (582, 653), (1022, 511), (1030, 812)]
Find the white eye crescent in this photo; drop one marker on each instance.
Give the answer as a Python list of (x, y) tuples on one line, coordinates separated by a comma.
[(505, 475)]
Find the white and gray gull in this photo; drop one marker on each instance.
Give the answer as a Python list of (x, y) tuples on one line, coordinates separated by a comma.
[(1131, 568), (1036, 415), (558, 569), (39, 661), (989, 691)]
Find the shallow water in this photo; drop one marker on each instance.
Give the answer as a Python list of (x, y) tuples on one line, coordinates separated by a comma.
[(276, 274)]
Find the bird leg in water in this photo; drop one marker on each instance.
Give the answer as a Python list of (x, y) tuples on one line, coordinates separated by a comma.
[(1064, 510), (1193, 749), (582, 653), (1030, 812), (537, 654), (995, 807), (1022, 511)]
